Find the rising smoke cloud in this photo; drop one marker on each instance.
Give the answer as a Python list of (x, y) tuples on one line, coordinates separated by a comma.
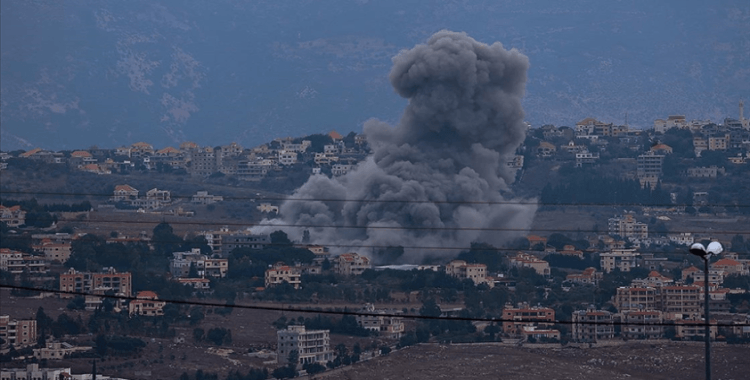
[(436, 178)]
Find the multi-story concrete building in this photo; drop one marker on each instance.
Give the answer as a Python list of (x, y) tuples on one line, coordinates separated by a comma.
[(18, 333), (87, 282), (622, 259), (240, 239), (280, 273), (17, 262), (351, 263), (681, 301), (695, 328), (516, 318), (648, 168), (312, 346), (387, 326), (592, 325), (635, 298), (205, 267), (642, 324), (627, 226), (32, 371)]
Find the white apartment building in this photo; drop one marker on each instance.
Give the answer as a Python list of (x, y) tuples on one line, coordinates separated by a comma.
[(281, 273), (312, 346), (622, 259)]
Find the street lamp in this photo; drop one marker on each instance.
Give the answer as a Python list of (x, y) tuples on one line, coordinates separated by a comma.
[(714, 248)]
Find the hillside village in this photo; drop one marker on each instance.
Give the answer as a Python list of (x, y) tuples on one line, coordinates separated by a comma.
[(628, 278)]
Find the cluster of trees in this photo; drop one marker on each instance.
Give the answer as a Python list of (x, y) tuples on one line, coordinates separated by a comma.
[(217, 335), (586, 186)]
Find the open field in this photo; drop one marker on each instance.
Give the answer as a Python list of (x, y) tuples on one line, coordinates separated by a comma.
[(652, 361)]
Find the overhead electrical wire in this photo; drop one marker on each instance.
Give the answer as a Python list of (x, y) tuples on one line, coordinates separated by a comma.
[(352, 313), (291, 199)]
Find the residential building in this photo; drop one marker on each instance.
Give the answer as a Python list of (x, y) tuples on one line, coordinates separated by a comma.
[(202, 197), (730, 267), (155, 198), (351, 263), (341, 169), (695, 328), (642, 324), (12, 216), (589, 276), (648, 168), (683, 238), (592, 325), (662, 149), (719, 142), (54, 251), (196, 283), (653, 280), (18, 333), (517, 318), (57, 351), (204, 266), (141, 149), (525, 260), (147, 304), (681, 301), (241, 239), (622, 259), (705, 172), (87, 282), (267, 208), (386, 326), (545, 149), (280, 273), (312, 346), (586, 158), (33, 372), (477, 273), (627, 226), (634, 298), (17, 262), (287, 157)]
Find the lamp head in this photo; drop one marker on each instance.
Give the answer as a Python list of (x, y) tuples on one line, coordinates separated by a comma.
[(698, 249), (714, 248)]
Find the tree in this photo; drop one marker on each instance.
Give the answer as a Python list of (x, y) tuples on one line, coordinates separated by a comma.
[(279, 238)]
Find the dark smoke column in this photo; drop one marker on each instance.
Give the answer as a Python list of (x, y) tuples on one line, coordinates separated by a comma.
[(434, 180)]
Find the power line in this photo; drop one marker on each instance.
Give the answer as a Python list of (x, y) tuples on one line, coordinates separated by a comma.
[(332, 200), (370, 227), (350, 313)]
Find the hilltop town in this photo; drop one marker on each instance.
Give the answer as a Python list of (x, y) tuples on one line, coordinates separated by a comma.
[(95, 243)]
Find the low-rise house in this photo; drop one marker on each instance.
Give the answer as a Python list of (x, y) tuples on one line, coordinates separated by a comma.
[(386, 326), (267, 208), (341, 169), (524, 260), (589, 276), (57, 351), (125, 193), (312, 346), (147, 304), (202, 197), (17, 262), (545, 150), (515, 319), (53, 251), (228, 241), (653, 280), (705, 172), (730, 267), (352, 263), (196, 283), (17, 332), (12, 216), (477, 273), (281, 273)]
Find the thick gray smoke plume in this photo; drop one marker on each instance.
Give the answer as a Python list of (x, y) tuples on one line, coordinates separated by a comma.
[(435, 179)]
